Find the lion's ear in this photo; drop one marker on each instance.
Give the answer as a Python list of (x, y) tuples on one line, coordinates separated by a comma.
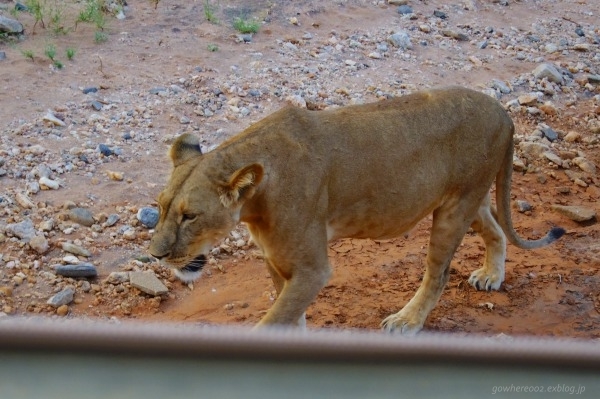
[(184, 148), (241, 185)]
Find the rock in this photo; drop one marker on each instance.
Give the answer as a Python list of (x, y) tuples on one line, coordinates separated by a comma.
[(552, 157), (296, 101), (10, 26), (549, 72), (375, 55), (549, 133), (81, 216), (401, 40), (62, 310), (5, 291), (158, 90), (75, 249), (397, 2), (118, 277), (518, 164), (63, 297), (404, 9), (2, 55), (148, 217), (579, 32), (455, 35), (111, 220), (39, 244), (572, 137), (53, 120), (48, 184), (532, 150), (440, 14), (24, 201), (593, 78), (116, 176), (528, 99), (585, 165), (23, 230), (78, 270), (501, 86), (575, 213), (97, 105), (105, 150), (88, 90), (147, 282)]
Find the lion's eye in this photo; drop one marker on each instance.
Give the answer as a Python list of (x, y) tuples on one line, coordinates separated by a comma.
[(188, 217)]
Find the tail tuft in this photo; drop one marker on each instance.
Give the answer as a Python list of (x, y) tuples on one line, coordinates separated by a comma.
[(556, 233)]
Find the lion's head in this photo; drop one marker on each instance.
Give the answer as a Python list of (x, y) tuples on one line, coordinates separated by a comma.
[(200, 205)]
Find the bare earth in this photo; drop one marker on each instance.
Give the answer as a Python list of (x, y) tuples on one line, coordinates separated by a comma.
[(321, 53)]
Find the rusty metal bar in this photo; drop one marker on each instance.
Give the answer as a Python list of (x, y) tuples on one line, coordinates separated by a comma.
[(40, 358)]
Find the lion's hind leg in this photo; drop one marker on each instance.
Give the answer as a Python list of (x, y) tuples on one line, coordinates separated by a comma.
[(450, 223), (491, 275)]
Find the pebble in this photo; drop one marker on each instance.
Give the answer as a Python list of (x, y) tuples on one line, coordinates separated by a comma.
[(48, 184), (81, 216), (440, 14), (24, 201), (401, 40), (118, 277), (552, 157), (549, 133), (111, 220), (404, 9), (53, 120), (75, 249), (62, 310), (63, 297), (575, 213), (501, 86), (116, 176), (148, 216), (39, 244), (88, 90), (97, 105), (76, 270), (147, 282), (105, 150), (585, 165), (528, 99)]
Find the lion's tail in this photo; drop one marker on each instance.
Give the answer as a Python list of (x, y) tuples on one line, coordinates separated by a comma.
[(503, 184)]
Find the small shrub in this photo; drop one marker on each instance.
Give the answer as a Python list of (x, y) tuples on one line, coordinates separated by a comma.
[(27, 54), (213, 47), (50, 51), (246, 26), (209, 12), (100, 37), (70, 53)]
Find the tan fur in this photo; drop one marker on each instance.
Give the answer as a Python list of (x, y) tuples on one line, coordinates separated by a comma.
[(300, 178)]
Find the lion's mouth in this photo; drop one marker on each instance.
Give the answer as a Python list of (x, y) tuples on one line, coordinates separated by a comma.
[(192, 270)]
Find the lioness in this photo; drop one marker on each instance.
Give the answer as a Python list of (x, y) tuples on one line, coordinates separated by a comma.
[(301, 178)]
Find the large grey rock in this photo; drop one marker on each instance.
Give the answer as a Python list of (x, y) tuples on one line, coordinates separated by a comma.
[(549, 72), (147, 282), (24, 230), (401, 40), (576, 213), (8, 25)]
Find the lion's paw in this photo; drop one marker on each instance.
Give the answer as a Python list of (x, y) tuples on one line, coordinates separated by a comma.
[(482, 279), (398, 323)]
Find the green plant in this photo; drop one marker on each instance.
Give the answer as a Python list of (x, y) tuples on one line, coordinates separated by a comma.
[(209, 12), (213, 47), (92, 13), (70, 53), (28, 54), (246, 26), (56, 18), (100, 37), (58, 64), (50, 51), (37, 8)]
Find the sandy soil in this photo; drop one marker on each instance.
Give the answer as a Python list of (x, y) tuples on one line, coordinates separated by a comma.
[(552, 291)]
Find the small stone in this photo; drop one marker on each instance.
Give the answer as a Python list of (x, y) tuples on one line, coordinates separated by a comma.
[(575, 213), (573, 137), (147, 282), (75, 249), (88, 90), (401, 40), (375, 55), (117, 278), (583, 47), (552, 157), (53, 120), (158, 90), (404, 9), (440, 14), (148, 217), (549, 133), (39, 244), (523, 206), (24, 201), (116, 176), (48, 184), (549, 72), (63, 297), (81, 216), (97, 105), (105, 150), (455, 35), (579, 32), (77, 270), (130, 234), (501, 86), (397, 2), (5, 291), (62, 310), (246, 37), (46, 225), (111, 220), (296, 101), (528, 99), (593, 79)]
